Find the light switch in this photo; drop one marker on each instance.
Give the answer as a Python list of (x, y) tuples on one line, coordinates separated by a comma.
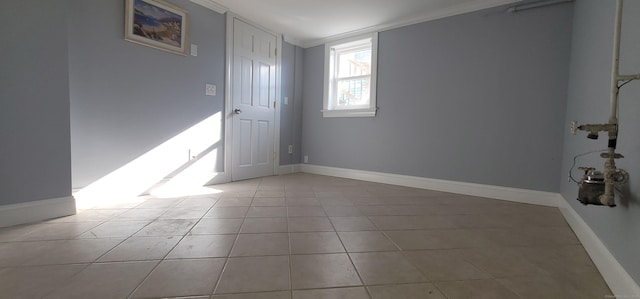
[(194, 50), (210, 89)]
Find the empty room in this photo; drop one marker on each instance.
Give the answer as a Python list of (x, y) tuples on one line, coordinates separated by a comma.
[(277, 149)]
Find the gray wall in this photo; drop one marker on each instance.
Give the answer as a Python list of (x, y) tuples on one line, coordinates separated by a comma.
[(291, 113), (477, 98), (126, 98), (34, 101), (588, 102)]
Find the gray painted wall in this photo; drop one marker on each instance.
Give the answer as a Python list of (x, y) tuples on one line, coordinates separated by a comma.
[(126, 98), (588, 102), (478, 98), (291, 113), (34, 102)]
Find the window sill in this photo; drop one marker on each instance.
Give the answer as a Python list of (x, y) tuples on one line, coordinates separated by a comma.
[(348, 113)]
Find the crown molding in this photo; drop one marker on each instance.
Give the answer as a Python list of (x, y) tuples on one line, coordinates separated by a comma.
[(211, 5), (455, 10)]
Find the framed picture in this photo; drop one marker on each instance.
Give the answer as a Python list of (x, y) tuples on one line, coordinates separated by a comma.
[(156, 24)]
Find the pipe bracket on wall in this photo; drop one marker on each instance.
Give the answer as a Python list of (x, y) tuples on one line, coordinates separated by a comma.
[(628, 77)]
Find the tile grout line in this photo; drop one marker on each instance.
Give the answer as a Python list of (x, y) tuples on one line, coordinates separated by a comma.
[(290, 251), (66, 280), (99, 257), (235, 242), (402, 252), (453, 243), (351, 260), (168, 252)]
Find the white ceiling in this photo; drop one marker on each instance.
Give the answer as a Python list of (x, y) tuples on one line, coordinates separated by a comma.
[(311, 22)]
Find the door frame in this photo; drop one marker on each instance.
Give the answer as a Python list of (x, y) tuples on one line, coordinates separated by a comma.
[(228, 103)]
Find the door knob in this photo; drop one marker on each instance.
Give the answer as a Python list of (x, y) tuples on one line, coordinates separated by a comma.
[(237, 111)]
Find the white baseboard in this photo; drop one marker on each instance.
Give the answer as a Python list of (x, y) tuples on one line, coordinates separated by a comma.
[(617, 278), (35, 211), (288, 169), (489, 191), (219, 178)]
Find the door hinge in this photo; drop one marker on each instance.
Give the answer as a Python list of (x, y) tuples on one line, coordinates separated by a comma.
[(274, 104), (274, 156), (276, 52)]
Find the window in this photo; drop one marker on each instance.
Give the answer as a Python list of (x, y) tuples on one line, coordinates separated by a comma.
[(350, 77)]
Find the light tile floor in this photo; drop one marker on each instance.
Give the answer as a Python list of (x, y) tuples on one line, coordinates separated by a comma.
[(301, 236)]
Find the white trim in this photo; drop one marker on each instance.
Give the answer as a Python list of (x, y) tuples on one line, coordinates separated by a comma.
[(35, 211), (618, 279), (489, 191), (289, 169), (350, 113), (456, 10), (211, 5), (228, 117), (278, 107)]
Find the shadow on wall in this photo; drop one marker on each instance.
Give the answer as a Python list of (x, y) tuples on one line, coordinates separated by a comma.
[(626, 197), (172, 163)]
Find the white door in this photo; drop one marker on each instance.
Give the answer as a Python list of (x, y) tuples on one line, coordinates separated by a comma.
[(253, 102)]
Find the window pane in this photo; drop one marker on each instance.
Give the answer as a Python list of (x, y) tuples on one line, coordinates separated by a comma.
[(350, 77), (352, 92), (355, 63)]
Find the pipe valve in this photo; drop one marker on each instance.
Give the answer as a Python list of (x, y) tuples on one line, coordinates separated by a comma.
[(593, 129)]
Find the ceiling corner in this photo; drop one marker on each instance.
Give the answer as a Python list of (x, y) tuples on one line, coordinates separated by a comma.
[(294, 41)]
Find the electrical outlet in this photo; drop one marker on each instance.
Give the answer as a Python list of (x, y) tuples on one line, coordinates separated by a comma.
[(210, 89), (194, 50), (290, 149), (306, 159)]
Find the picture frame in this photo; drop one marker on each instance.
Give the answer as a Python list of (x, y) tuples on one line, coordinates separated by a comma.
[(156, 24)]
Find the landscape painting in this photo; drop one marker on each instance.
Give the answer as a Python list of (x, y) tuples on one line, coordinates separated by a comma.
[(156, 24)]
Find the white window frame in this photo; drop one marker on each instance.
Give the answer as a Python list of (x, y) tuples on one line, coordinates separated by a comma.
[(330, 81)]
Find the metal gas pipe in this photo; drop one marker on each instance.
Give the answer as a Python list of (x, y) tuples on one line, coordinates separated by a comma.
[(612, 176)]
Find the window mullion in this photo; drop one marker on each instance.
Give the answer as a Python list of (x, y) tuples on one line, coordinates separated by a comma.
[(353, 78)]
